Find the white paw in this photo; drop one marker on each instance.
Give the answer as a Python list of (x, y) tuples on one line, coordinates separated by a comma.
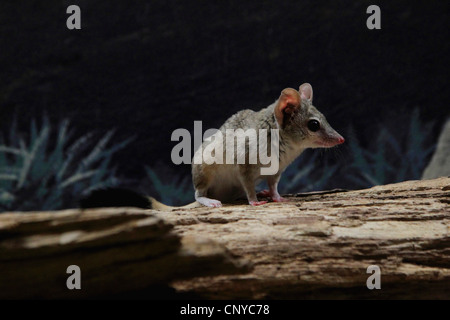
[(209, 202), (213, 203)]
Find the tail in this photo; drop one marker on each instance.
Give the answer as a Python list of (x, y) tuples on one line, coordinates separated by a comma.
[(116, 197)]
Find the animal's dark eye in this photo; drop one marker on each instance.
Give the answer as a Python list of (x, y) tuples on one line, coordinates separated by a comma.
[(313, 125)]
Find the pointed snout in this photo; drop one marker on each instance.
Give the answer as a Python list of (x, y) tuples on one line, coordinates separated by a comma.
[(336, 139), (329, 139), (340, 139)]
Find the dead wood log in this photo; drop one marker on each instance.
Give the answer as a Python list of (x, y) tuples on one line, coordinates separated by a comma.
[(117, 250), (318, 245)]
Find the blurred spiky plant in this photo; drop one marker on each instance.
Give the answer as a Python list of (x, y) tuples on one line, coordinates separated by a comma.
[(393, 157), (50, 172), (307, 173), (171, 190)]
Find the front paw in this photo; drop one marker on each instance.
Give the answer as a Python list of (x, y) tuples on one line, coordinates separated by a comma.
[(257, 203)]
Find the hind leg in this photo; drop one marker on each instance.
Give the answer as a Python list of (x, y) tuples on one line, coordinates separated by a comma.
[(200, 196), (202, 178)]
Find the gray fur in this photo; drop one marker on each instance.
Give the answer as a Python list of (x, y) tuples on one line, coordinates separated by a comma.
[(226, 182)]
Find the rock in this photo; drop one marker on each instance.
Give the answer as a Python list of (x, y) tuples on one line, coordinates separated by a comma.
[(439, 165)]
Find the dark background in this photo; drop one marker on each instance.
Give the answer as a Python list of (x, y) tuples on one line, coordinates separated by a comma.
[(147, 68)]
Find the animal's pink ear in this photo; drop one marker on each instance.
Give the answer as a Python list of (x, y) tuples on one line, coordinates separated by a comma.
[(306, 91), (288, 102)]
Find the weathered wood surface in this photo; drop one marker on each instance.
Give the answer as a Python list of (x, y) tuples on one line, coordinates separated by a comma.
[(117, 249), (319, 246), (316, 246)]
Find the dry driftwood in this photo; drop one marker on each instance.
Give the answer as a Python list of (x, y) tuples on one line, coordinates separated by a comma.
[(319, 245), (117, 249)]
